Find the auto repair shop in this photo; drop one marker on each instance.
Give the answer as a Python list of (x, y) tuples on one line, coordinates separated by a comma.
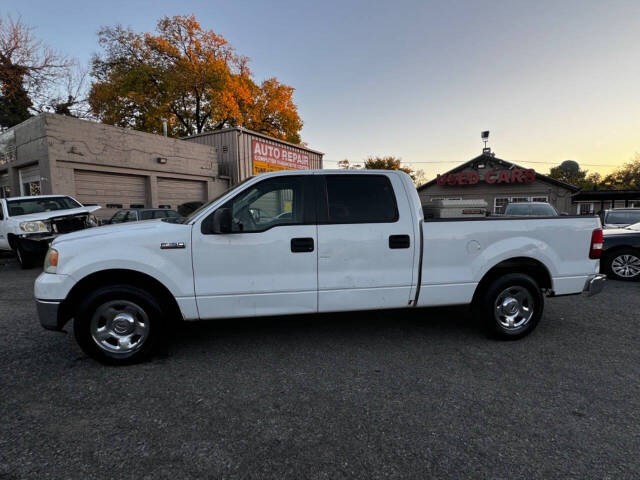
[(499, 183), (242, 153)]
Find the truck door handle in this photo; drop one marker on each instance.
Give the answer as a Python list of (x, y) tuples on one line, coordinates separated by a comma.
[(399, 241), (299, 245)]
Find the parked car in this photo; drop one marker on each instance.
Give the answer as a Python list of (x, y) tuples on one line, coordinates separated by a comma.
[(530, 209), (29, 224), (620, 217), (188, 208), (353, 241), (136, 214), (621, 253)]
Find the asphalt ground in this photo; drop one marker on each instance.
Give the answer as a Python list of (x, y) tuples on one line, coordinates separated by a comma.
[(401, 394)]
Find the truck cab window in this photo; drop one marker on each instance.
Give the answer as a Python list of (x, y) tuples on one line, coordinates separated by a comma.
[(273, 202), (360, 199)]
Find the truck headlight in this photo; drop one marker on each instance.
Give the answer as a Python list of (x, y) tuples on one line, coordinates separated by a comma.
[(51, 261), (34, 227)]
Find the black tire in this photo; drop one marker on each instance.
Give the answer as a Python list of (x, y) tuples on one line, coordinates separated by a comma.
[(518, 294), (621, 257), (25, 259), (124, 300)]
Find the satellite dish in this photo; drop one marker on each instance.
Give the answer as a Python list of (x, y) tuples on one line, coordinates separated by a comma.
[(570, 166)]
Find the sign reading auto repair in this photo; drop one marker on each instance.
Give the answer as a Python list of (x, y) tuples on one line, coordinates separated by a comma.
[(270, 158), (471, 177)]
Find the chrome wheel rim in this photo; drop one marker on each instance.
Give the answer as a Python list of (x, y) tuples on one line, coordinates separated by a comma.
[(626, 266), (514, 308), (119, 327)]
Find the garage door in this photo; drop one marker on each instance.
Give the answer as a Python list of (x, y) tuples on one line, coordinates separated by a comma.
[(173, 192), (111, 191)]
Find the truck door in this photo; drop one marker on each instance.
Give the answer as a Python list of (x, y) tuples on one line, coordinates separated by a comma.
[(267, 265), (4, 241), (366, 243)]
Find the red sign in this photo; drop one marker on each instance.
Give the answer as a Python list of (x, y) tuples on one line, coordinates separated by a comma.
[(268, 157), (514, 175)]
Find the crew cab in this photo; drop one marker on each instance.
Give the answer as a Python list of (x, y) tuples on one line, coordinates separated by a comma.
[(29, 224), (298, 242)]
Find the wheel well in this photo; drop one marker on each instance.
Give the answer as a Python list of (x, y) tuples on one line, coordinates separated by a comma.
[(613, 250), (528, 266), (119, 277), (12, 241)]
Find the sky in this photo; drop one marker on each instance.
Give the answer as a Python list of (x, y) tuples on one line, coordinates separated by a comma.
[(551, 80)]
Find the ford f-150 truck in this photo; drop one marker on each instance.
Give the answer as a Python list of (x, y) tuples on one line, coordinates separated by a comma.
[(29, 224), (292, 242)]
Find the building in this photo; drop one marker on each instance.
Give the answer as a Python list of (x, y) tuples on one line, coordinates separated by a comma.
[(243, 153), (121, 168), (591, 202), (498, 182)]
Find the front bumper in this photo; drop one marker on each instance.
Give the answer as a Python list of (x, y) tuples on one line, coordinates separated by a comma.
[(48, 314), (594, 285), (36, 244)]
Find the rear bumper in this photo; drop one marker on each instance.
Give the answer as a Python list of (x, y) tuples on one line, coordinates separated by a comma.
[(48, 314), (594, 285)]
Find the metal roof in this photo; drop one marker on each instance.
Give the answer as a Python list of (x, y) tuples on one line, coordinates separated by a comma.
[(251, 132)]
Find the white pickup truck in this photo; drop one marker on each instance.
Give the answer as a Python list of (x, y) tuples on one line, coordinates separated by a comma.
[(29, 224), (288, 243)]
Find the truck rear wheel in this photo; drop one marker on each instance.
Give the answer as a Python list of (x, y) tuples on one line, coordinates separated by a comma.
[(118, 324), (511, 306)]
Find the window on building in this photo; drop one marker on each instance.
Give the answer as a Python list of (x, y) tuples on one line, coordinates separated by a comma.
[(634, 203), (5, 191), (585, 208), (31, 188), (360, 199), (539, 199), (519, 199), (499, 204), (445, 198)]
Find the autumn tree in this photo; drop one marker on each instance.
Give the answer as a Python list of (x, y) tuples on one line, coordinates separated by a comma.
[(29, 71), (387, 163), (624, 178), (191, 76)]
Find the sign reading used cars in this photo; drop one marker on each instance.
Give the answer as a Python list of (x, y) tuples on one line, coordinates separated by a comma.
[(514, 175), (270, 158)]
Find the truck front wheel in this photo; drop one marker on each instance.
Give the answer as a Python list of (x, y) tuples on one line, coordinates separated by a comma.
[(511, 306), (118, 324)]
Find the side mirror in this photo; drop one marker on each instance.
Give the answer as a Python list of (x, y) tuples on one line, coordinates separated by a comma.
[(221, 221)]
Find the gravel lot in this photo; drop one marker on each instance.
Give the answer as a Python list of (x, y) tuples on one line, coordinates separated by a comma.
[(379, 395)]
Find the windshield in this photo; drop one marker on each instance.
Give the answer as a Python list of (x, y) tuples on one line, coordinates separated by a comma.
[(623, 218), (196, 212), (39, 205), (517, 209)]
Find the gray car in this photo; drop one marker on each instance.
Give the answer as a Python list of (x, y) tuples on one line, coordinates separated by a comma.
[(530, 209), (136, 214), (620, 217)]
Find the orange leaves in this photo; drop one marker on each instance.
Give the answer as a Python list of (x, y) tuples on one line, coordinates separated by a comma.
[(190, 75)]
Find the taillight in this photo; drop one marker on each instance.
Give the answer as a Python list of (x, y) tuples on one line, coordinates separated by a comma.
[(595, 251)]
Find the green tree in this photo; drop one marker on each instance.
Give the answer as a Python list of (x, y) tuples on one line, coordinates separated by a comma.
[(576, 176), (388, 163), (190, 76)]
